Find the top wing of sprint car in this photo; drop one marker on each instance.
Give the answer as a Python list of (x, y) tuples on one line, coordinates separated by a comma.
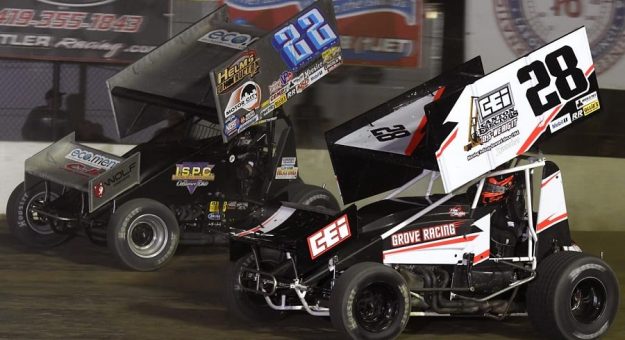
[(461, 125), (220, 72)]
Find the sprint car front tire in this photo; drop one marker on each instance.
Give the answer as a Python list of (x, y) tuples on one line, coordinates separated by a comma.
[(143, 234), (370, 301), (574, 296), (250, 306), (26, 225), (313, 196)]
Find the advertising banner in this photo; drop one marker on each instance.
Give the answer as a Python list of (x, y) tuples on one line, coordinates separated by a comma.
[(106, 31), (500, 30), (373, 32)]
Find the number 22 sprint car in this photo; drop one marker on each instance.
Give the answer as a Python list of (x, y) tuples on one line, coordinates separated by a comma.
[(478, 248), (229, 154)]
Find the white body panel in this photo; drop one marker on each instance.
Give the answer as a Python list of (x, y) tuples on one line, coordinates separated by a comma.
[(445, 251), (552, 205)]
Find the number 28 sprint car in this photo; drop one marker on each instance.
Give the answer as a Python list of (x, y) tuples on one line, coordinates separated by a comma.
[(480, 248)]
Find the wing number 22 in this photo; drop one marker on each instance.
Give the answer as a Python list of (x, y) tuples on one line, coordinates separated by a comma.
[(297, 44), (570, 80)]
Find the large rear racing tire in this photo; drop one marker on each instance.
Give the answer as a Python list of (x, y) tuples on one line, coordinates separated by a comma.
[(143, 234), (574, 296), (312, 195), (249, 306), (370, 301), (27, 226)]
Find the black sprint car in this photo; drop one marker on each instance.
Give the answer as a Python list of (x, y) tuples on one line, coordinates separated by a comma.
[(479, 248), (229, 152)]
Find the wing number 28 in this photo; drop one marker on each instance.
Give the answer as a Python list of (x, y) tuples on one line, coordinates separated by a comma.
[(570, 80), (385, 134)]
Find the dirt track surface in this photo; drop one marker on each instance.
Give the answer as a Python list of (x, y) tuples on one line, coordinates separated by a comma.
[(78, 291)]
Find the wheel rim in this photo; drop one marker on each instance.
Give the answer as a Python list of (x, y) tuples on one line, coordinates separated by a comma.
[(588, 300), (147, 236), (38, 223), (376, 307)]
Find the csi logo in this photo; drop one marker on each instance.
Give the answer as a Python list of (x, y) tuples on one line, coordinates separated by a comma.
[(495, 101), (328, 237), (77, 3)]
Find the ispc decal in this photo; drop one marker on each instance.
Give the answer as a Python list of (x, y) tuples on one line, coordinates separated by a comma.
[(229, 39), (193, 175), (91, 159), (246, 96), (246, 66), (329, 237)]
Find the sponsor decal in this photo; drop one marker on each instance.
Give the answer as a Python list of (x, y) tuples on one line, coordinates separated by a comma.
[(310, 33), (286, 77), (289, 161), (246, 96), (267, 110), (286, 173), (246, 66), (424, 234), (560, 123), (529, 25), (98, 190), (588, 104), (248, 120), (332, 57), (457, 211), (214, 216), (89, 158), (496, 116), (329, 237), (83, 170), (231, 126), (229, 39), (287, 170), (213, 206), (113, 178), (193, 175)]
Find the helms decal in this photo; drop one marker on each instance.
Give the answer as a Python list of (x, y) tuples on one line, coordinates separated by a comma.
[(246, 66)]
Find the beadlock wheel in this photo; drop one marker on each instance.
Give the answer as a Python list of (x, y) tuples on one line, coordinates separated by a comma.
[(147, 236)]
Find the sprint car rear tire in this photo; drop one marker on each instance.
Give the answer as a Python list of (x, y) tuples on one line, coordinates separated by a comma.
[(574, 296), (370, 301), (249, 306), (27, 226), (312, 195), (143, 234)]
